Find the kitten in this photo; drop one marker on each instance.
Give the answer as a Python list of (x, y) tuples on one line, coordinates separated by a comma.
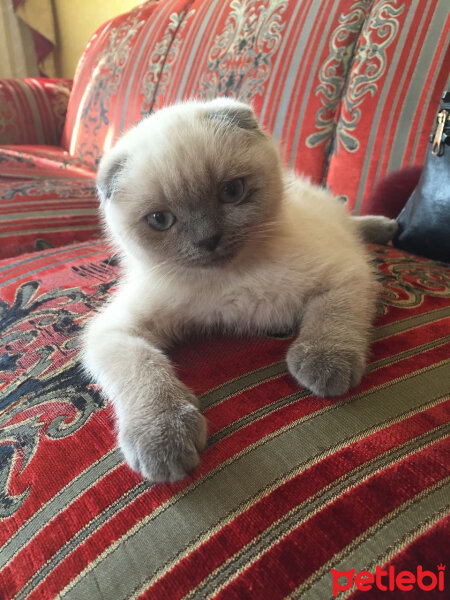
[(213, 232)]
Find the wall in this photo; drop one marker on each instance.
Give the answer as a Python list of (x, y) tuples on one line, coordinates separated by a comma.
[(75, 24), (17, 57)]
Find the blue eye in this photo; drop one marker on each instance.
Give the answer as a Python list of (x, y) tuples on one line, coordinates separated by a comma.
[(232, 191), (161, 221)]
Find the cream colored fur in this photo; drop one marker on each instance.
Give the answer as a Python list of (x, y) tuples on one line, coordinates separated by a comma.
[(302, 264)]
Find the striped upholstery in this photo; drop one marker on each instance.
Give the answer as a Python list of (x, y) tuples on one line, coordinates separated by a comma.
[(288, 41), (46, 199), (335, 82), (301, 99), (322, 76), (34, 208), (29, 221), (33, 110), (399, 71), (117, 77), (33, 161), (270, 54), (290, 486)]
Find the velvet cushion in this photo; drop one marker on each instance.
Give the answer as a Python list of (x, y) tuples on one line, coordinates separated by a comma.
[(37, 161), (290, 486), (47, 198), (291, 60), (391, 193), (273, 55)]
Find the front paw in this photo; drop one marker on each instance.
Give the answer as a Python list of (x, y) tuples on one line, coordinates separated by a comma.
[(164, 445), (326, 371)]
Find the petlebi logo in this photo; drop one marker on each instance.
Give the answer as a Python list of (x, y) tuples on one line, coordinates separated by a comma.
[(389, 580)]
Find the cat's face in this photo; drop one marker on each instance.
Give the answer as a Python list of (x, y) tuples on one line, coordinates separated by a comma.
[(192, 185)]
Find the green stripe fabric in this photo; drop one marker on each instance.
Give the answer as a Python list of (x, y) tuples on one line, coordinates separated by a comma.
[(127, 563), (426, 507), (305, 510), (66, 495), (408, 323)]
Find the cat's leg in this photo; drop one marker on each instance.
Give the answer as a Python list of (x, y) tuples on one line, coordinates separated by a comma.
[(329, 355), (376, 229), (160, 430)]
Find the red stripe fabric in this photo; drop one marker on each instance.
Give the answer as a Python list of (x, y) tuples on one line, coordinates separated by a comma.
[(41, 212), (330, 84), (246, 408), (426, 551), (214, 58), (25, 161), (396, 79), (117, 76), (191, 570), (33, 110), (328, 531)]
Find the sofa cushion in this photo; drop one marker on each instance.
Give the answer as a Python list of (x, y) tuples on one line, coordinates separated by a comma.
[(271, 54), (320, 75), (391, 193), (47, 198), (290, 486), (40, 212), (319, 78)]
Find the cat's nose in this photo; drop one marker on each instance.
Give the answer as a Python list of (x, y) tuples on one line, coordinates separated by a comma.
[(210, 243)]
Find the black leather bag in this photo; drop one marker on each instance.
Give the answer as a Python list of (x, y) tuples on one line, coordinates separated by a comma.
[(425, 219)]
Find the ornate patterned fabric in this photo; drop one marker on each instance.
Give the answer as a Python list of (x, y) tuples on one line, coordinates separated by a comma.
[(117, 77), (36, 162), (269, 53), (33, 111), (46, 199), (291, 60), (334, 82), (323, 76), (290, 483), (399, 70), (40, 213)]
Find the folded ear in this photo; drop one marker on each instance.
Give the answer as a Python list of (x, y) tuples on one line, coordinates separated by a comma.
[(233, 114), (108, 173)]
